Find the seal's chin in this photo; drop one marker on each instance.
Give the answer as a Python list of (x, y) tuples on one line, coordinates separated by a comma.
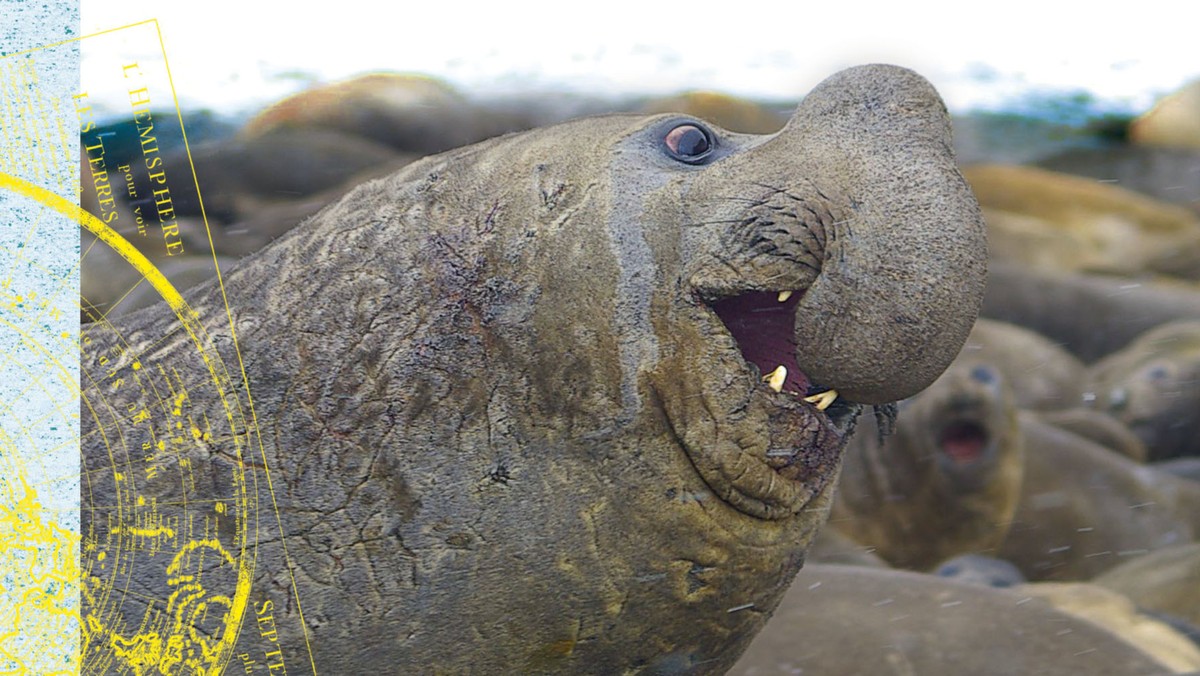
[(763, 445)]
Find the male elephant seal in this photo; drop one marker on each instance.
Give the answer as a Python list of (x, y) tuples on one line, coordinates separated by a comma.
[(511, 397)]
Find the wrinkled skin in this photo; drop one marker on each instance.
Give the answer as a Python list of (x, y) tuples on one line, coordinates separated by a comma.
[(505, 429)]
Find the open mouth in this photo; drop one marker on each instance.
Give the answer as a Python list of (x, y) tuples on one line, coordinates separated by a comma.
[(763, 325), (765, 439), (808, 423), (963, 442)]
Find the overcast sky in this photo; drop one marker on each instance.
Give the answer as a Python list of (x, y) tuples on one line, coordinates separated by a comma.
[(231, 55)]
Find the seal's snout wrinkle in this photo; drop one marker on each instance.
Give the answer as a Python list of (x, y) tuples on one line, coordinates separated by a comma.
[(668, 330), (845, 262), (889, 237), (910, 247)]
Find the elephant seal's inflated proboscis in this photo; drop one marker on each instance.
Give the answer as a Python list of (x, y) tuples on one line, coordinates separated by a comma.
[(511, 397)]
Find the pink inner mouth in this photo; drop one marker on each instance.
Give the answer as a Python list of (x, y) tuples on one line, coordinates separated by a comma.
[(765, 332), (963, 442)]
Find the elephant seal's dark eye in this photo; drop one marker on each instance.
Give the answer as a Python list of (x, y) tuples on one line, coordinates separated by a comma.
[(1157, 374), (984, 374), (688, 143)]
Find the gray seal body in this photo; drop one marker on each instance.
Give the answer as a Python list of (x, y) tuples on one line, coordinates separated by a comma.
[(505, 429)]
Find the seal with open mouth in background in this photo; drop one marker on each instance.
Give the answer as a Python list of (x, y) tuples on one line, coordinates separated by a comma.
[(568, 400), (947, 482)]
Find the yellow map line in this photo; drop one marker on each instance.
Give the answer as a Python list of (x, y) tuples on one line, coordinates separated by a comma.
[(190, 322), (104, 233)]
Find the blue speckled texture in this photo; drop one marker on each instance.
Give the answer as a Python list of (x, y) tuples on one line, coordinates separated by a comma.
[(39, 338)]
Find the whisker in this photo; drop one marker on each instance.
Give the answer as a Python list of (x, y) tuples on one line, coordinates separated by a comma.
[(772, 188), (714, 222), (738, 198)]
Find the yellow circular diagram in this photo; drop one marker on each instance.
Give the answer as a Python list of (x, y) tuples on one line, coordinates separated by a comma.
[(166, 518)]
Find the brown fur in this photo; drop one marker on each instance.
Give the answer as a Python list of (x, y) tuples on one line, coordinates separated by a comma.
[(1085, 509), (910, 500), (858, 620)]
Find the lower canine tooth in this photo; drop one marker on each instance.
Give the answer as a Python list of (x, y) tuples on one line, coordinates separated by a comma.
[(822, 400), (784, 295), (775, 378)]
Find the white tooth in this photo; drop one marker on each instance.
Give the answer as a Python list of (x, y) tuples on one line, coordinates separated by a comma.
[(784, 295), (822, 400), (775, 378)]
